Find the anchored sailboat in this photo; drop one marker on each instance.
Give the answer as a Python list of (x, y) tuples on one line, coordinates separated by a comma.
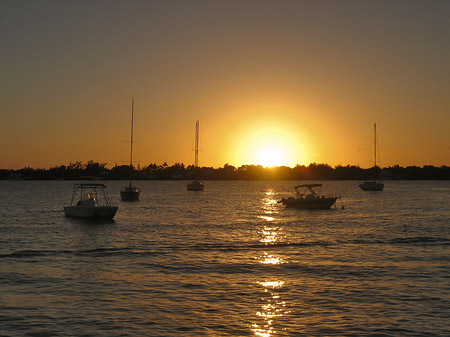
[(196, 185), (131, 193), (373, 185)]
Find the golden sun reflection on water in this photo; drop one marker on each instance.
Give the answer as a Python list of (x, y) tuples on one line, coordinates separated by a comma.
[(267, 218), (267, 258), (269, 235), (269, 210), (271, 284), (269, 202), (273, 308)]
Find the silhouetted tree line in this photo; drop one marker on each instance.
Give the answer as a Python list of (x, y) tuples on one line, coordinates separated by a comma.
[(93, 170)]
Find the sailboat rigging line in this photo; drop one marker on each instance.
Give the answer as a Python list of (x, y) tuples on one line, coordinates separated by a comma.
[(131, 141), (196, 143)]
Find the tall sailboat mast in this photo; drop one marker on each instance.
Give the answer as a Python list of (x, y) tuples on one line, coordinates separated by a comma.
[(196, 185), (196, 143), (131, 141), (131, 193), (373, 185), (375, 144)]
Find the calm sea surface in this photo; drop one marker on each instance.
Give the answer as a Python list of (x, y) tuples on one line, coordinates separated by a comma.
[(229, 261)]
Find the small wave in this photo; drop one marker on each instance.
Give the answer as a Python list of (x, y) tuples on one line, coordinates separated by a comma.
[(395, 241), (24, 253), (89, 252), (320, 243), (291, 244), (101, 251), (47, 211), (419, 240), (112, 251), (231, 247), (250, 246)]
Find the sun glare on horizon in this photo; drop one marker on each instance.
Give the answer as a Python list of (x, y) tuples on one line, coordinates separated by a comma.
[(270, 156), (270, 145)]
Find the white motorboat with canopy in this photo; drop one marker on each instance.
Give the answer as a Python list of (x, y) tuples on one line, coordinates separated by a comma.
[(91, 201), (307, 197)]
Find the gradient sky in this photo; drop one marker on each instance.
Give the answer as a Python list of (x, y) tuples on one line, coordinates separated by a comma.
[(294, 81)]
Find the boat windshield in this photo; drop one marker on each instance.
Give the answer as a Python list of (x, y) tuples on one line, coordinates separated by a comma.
[(89, 196), (95, 193), (307, 191)]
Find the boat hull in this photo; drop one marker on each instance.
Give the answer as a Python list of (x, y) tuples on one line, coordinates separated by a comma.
[(98, 212), (371, 186), (195, 186), (315, 203), (130, 194)]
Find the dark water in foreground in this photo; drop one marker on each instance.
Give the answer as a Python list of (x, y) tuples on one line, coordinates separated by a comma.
[(228, 261)]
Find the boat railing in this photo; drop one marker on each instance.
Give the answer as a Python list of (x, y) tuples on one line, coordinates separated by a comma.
[(338, 196), (107, 203)]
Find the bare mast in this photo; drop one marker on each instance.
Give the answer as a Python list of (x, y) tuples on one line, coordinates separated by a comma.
[(131, 141), (375, 144), (196, 143)]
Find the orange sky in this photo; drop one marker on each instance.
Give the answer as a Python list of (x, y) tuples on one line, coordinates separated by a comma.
[(281, 82)]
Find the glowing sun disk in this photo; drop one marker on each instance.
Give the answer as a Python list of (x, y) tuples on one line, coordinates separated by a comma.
[(270, 156), (270, 145)]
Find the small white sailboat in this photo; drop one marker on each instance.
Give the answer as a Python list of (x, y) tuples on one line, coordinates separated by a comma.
[(196, 185), (373, 185), (130, 192), (93, 202)]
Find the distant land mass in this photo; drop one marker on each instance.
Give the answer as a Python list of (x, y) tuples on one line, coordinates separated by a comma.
[(98, 171)]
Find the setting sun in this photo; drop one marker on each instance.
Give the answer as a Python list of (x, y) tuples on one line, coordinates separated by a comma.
[(269, 143), (270, 156)]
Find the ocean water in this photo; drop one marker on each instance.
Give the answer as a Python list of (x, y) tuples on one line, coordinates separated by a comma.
[(228, 261)]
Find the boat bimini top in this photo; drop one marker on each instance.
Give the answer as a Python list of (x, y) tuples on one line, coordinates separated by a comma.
[(301, 189)]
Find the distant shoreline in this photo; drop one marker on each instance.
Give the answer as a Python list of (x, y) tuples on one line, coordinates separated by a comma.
[(98, 171)]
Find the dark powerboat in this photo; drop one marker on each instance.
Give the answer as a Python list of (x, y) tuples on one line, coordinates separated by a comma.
[(308, 198), (90, 201)]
